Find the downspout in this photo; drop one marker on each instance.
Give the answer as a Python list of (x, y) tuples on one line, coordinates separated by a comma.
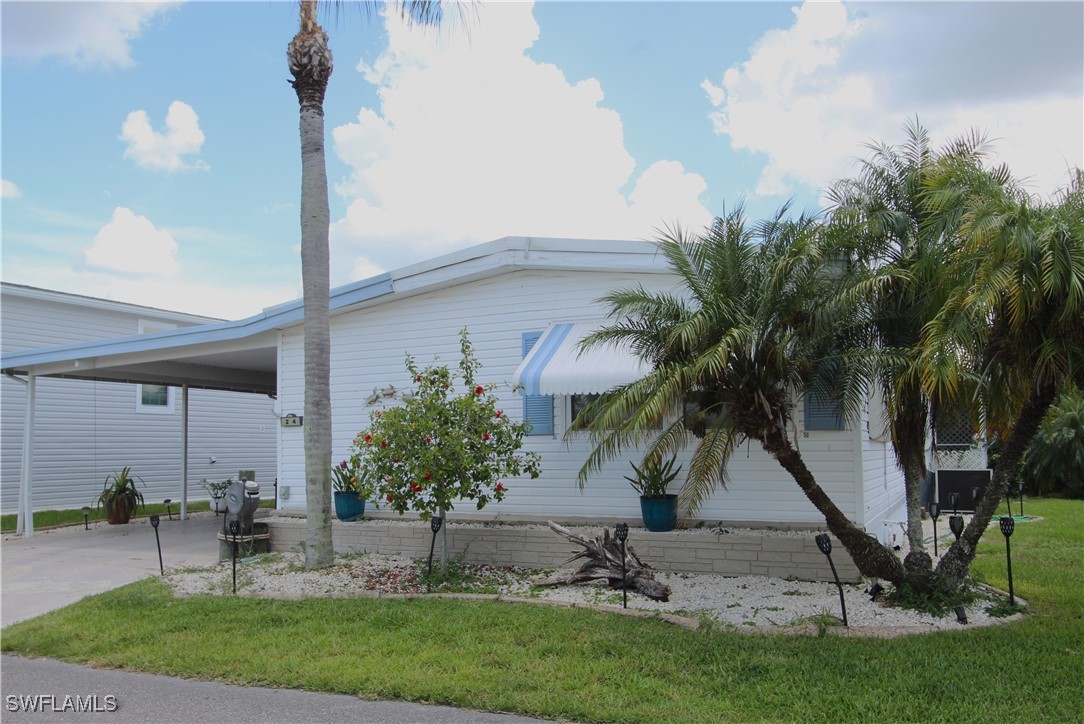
[(184, 452)]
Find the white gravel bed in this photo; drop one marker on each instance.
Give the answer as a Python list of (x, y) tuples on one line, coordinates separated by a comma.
[(746, 602)]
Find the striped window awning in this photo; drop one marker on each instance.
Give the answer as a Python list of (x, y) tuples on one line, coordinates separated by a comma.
[(555, 365)]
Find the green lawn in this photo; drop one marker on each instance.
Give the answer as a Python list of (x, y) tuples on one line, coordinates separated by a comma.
[(585, 665), (48, 518)]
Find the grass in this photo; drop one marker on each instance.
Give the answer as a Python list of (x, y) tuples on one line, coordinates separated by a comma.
[(49, 518), (590, 666)]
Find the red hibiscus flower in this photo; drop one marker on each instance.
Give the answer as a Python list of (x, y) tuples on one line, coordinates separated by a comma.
[(428, 476), (499, 413), (391, 498), (500, 487), (383, 442), (479, 390), (415, 487), (485, 437), (368, 439), (428, 439)]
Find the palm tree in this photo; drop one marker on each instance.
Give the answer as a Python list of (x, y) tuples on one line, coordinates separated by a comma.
[(733, 346), (1013, 333), (310, 64), (898, 245)]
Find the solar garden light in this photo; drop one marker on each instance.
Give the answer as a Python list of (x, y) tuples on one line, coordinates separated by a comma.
[(1007, 526), (956, 525), (235, 528), (1020, 486), (961, 614), (434, 525), (954, 501), (935, 511), (154, 524), (168, 502), (621, 530), (86, 517), (976, 495), (825, 544)]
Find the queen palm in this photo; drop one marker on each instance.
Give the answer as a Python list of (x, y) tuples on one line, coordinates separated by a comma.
[(1013, 333), (733, 345), (311, 65), (898, 242)]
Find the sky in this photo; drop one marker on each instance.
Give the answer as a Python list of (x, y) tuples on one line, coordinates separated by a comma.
[(150, 151)]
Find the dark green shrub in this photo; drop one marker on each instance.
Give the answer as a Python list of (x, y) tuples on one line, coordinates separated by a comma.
[(1054, 462)]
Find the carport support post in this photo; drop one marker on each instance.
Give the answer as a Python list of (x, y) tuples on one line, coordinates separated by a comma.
[(184, 452), (25, 519)]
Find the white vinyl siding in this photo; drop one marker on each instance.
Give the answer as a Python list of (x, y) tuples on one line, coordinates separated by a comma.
[(368, 348)]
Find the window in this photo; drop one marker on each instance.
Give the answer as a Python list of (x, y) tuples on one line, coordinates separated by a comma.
[(577, 403), (537, 409), (155, 399), (822, 411)]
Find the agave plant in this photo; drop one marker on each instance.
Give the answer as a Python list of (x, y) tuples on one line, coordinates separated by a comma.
[(653, 476)]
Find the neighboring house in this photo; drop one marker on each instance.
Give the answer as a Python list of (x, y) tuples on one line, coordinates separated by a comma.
[(86, 430), (513, 295)]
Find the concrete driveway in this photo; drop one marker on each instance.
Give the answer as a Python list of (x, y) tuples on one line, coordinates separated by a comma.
[(58, 567)]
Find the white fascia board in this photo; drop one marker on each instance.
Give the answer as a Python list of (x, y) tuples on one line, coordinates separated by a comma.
[(79, 300)]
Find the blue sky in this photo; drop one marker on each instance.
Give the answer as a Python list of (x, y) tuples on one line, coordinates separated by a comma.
[(150, 151)]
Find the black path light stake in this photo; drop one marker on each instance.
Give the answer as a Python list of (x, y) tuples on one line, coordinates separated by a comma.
[(956, 525), (168, 502), (825, 544), (935, 511), (86, 517), (154, 524), (621, 530), (1020, 486), (235, 528), (1007, 525), (434, 524), (954, 501)]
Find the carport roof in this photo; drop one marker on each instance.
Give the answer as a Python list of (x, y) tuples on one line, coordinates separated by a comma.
[(242, 355)]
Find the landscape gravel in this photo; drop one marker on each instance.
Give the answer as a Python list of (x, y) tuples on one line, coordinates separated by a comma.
[(750, 603)]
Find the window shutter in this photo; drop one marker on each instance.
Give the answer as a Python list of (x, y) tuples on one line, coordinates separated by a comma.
[(537, 409), (822, 412)]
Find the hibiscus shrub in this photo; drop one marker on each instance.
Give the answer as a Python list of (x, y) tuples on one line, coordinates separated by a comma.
[(448, 441)]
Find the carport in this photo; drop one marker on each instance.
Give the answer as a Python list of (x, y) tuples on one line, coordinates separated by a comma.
[(240, 356)]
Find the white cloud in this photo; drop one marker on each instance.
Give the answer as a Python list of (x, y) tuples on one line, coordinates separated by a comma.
[(164, 150), (130, 245), (809, 96), (85, 34), (474, 140), (8, 190)]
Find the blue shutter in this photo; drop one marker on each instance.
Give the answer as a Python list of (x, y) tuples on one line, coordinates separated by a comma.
[(537, 409), (822, 412)]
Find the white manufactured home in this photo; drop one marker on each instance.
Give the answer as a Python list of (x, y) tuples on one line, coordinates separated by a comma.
[(515, 296), (88, 429)]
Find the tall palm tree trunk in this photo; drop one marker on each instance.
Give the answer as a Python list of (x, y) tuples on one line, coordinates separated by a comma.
[(871, 558), (952, 570), (311, 66)]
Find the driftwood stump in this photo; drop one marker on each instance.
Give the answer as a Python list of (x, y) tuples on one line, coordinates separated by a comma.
[(603, 561)]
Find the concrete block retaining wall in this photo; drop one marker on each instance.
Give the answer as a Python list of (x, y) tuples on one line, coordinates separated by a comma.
[(795, 557)]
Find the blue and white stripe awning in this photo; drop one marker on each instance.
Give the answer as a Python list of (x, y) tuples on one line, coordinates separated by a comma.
[(555, 365)]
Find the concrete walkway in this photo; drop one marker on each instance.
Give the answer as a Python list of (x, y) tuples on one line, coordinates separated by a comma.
[(59, 567)]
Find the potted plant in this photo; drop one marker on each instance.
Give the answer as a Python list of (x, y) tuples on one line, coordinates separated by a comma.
[(653, 477), (349, 493), (120, 497), (217, 490)]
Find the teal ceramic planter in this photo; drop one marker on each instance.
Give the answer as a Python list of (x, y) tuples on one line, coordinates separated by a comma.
[(660, 514), (349, 506)]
